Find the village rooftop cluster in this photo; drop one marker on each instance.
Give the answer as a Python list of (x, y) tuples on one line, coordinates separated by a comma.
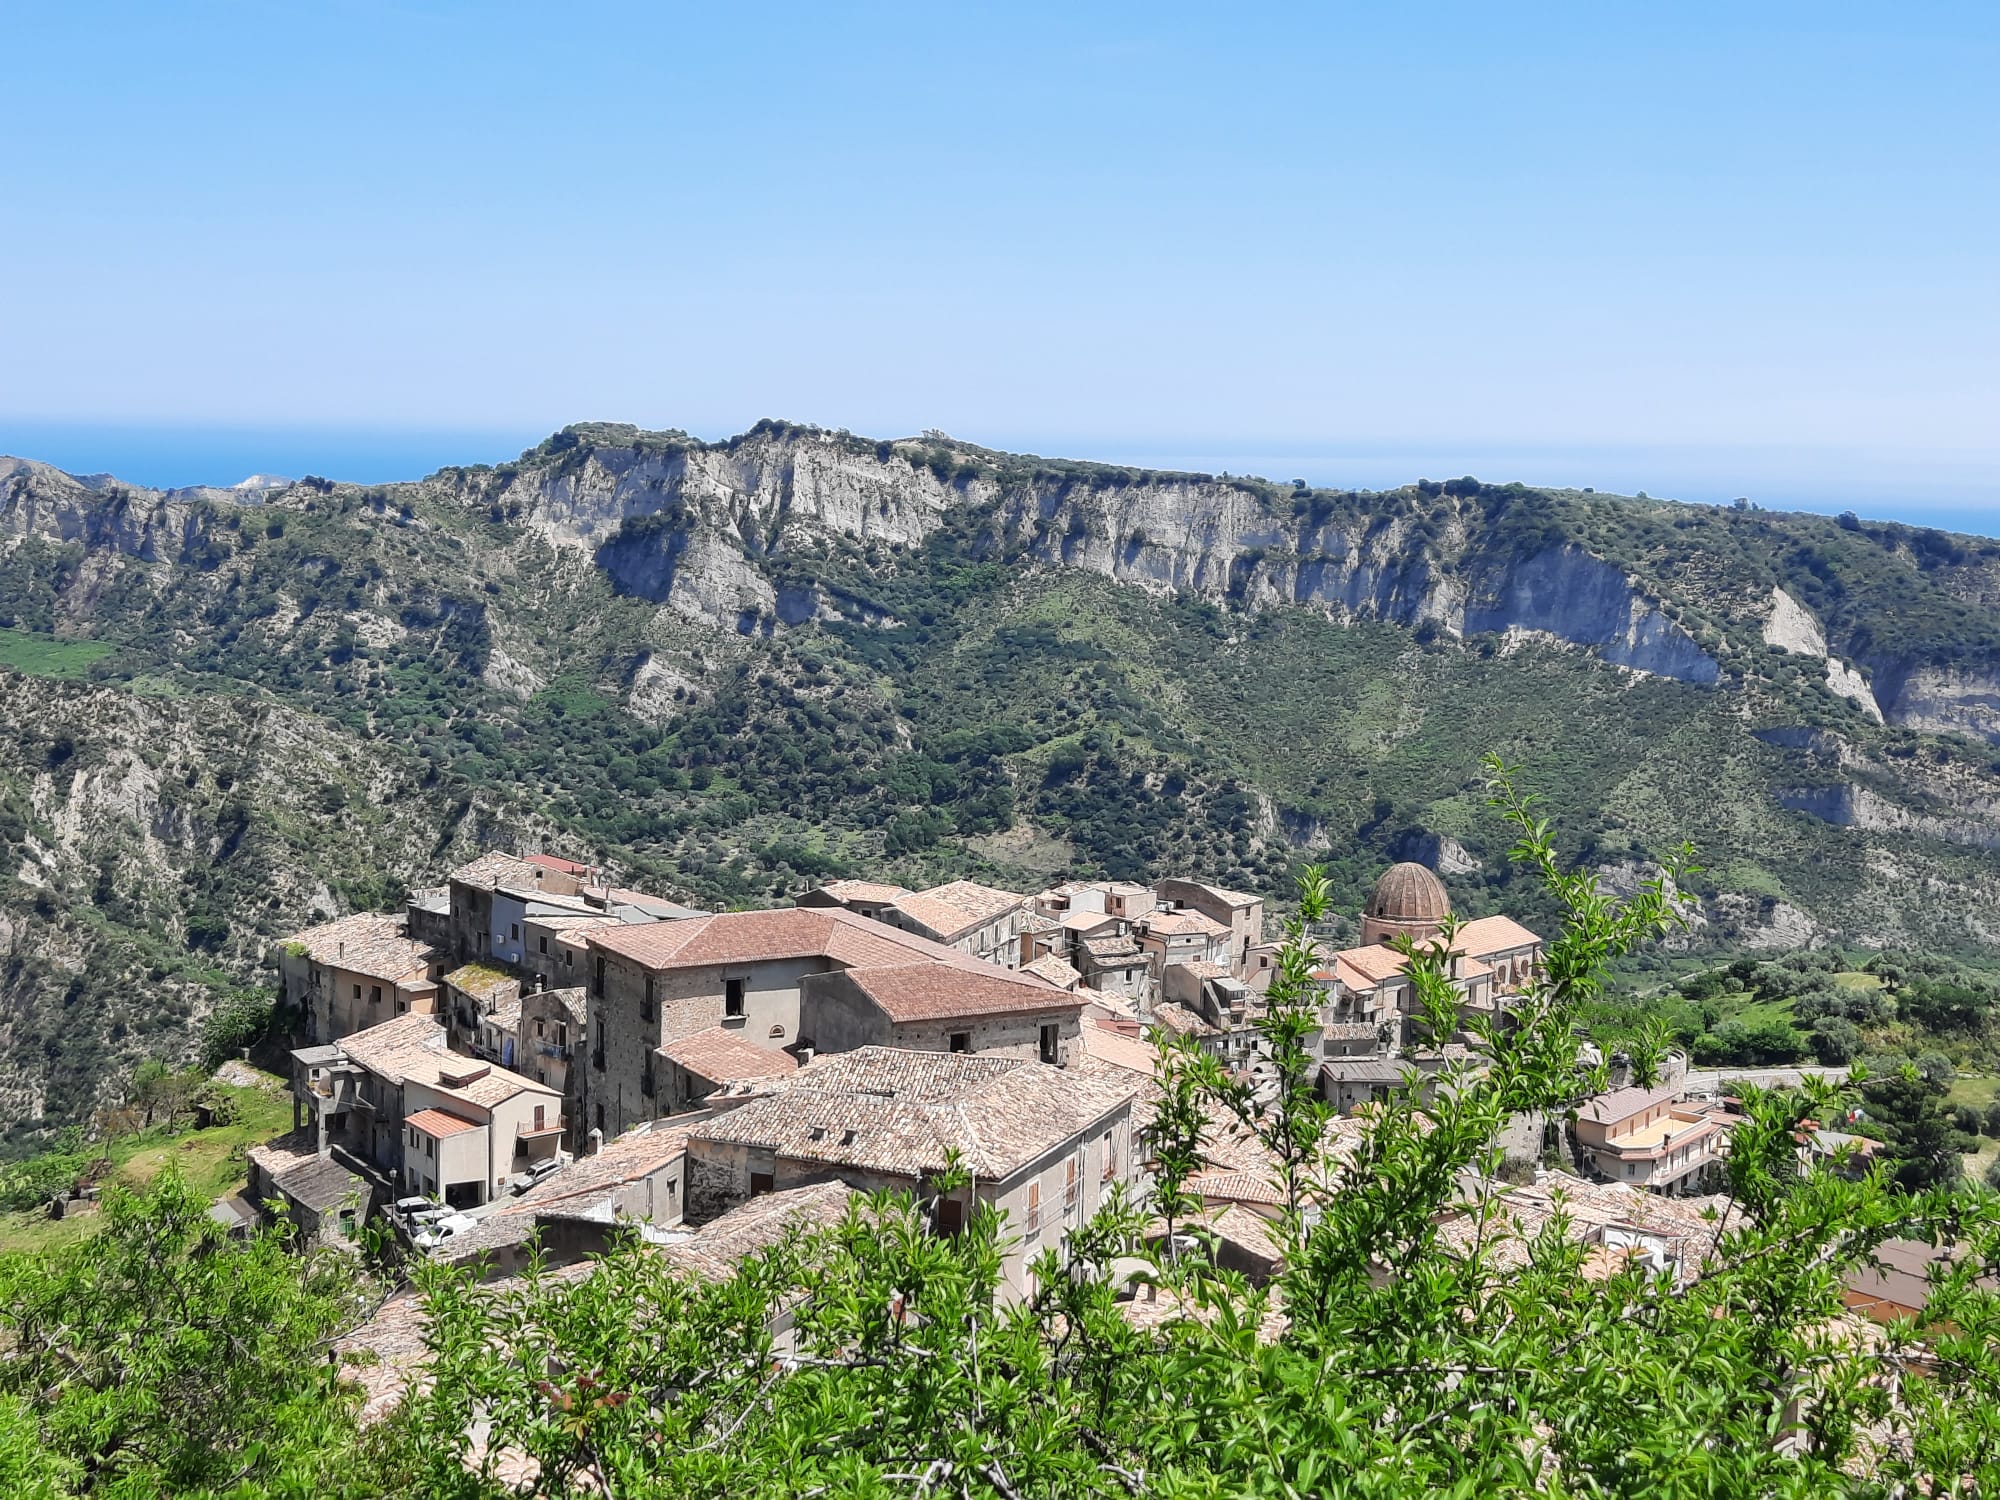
[(528, 1052)]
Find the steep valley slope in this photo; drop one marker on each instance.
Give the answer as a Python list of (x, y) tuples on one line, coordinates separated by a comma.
[(729, 670)]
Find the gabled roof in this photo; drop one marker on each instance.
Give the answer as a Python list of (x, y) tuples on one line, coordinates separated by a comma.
[(872, 891), (1057, 971), (439, 1125), (319, 1184), (949, 922), (413, 1049), (371, 943), (1488, 935), (1622, 1104), (1182, 924), (983, 902), (926, 991), (558, 864), (1375, 962), (1178, 1018), (714, 1251), (494, 869), (637, 1153), (722, 1054), (880, 1109), (742, 937)]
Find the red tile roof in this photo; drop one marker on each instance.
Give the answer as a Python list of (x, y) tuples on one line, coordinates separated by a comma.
[(556, 862), (938, 992), (436, 1123), (724, 1055), (739, 937)]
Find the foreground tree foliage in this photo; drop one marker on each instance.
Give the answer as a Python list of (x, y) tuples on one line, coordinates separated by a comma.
[(1382, 1361)]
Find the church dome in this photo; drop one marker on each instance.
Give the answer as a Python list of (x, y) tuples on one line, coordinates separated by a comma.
[(1407, 899)]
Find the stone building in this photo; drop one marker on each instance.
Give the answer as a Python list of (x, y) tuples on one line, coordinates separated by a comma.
[(479, 1123), (1241, 914), (1043, 1145), (347, 975), (744, 972), (933, 1007), (976, 919)]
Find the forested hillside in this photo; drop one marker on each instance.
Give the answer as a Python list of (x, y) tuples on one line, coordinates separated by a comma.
[(731, 670)]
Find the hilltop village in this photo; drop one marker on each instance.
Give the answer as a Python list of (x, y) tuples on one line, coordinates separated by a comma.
[(530, 1054)]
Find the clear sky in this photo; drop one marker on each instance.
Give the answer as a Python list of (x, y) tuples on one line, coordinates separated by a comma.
[(1727, 248)]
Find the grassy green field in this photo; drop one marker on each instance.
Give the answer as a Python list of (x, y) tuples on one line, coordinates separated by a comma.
[(45, 656), (212, 1160)]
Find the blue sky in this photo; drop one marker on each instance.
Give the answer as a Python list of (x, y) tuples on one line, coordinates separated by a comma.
[(1703, 250)]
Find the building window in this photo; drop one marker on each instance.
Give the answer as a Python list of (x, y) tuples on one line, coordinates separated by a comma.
[(600, 1117), (541, 1122), (513, 932), (1110, 1159), (542, 943), (597, 978), (1069, 1189), (374, 994), (761, 1183), (961, 1041), (646, 1005), (1051, 1043), (732, 998), (562, 1033), (1033, 1222), (357, 992)]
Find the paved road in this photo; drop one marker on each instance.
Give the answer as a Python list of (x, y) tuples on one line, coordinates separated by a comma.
[(1708, 1080)]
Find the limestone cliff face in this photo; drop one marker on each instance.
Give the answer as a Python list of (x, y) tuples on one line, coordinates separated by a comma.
[(37, 500), (692, 527), (1948, 698)]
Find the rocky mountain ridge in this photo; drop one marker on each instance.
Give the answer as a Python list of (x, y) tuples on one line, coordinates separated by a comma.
[(732, 668)]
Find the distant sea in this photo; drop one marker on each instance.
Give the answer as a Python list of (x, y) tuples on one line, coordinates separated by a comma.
[(1954, 491)]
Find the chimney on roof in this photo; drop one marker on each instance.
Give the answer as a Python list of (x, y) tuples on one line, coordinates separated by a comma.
[(596, 1142)]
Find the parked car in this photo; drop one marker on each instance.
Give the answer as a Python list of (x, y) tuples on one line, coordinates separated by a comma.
[(436, 1234), (408, 1207)]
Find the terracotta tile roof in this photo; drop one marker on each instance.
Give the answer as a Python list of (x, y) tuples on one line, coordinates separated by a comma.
[(1350, 1031), (880, 1109), (438, 1124), (740, 937), (1487, 935), (1057, 971), (1113, 949), (1375, 962), (1622, 1104), (494, 869), (1182, 924), (1236, 1187), (1178, 1018), (1089, 921), (1247, 1231), (413, 1049), (715, 1250), (633, 1155), (556, 862), (949, 922), (863, 890), (929, 991), (722, 1054), (371, 943), (1115, 1049), (980, 902)]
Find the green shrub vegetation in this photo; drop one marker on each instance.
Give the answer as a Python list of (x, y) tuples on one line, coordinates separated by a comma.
[(157, 1358)]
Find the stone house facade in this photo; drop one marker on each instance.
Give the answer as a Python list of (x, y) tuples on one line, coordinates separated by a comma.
[(1043, 1145)]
